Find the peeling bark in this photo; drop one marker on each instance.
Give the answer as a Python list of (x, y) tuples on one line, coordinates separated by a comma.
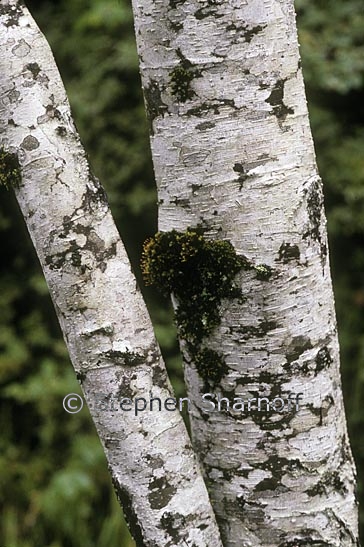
[(104, 320), (234, 155)]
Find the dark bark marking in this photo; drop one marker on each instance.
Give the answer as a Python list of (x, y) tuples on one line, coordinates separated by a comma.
[(269, 421), (159, 373), (176, 26), (159, 376), (252, 512), (94, 196), (323, 250), (323, 359), (228, 474), (266, 420), (161, 492), (243, 174), (323, 410), (345, 450), (263, 85), (154, 105), (126, 500), (57, 260), (154, 462), (124, 389), (210, 10), (252, 331), (177, 525), (125, 358), (12, 13), (93, 244), (34, 68), (275, 99), (345, 531), (97, 246), (195, 187), (67, 227), (269, 483), (214, 105), (305, 540), (279, 467), (331, 481), (175, 3), (50, 113), (240, 501), (315, 204), (288, 252), (61, 131), (81, 376), (181, 202), (297, 347), (205, 125), (244, 31)]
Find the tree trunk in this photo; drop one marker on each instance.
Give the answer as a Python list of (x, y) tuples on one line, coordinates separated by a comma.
[(104, 320), (233, 155)]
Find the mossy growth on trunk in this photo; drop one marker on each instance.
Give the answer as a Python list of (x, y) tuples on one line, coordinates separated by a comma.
[(199, 273), (181, 79), (10, 174)]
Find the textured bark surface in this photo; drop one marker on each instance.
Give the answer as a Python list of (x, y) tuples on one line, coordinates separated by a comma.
[(104, 320), (233, 153)]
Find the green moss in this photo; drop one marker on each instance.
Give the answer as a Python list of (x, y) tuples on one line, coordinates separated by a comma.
[(263, 271), (210, 365), (10, 174), (181, 78), (200, 274)]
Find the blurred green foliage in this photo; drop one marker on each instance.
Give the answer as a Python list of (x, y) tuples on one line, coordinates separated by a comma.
[(55, 489)]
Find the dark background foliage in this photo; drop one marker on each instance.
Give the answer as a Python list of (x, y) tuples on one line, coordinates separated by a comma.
[(54, 485)]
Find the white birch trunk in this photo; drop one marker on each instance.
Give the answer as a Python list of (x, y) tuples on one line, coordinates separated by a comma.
[(104, 320), (233, 152)]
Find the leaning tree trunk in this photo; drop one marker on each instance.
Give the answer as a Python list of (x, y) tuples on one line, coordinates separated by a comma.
[(104, 320), (233, 155)]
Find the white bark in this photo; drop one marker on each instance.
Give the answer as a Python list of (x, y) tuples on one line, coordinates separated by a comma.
[(104, 320), (235, 155)]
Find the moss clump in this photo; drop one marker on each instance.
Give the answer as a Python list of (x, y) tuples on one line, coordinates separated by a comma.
[(210, 365), (10, 174), (200, 274), (263, 271), (181, 79)]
